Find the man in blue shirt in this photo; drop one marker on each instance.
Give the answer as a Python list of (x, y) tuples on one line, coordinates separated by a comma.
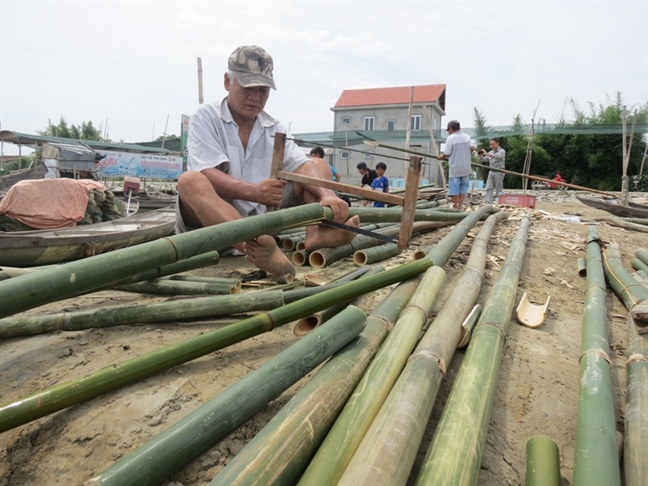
[(380, 183)]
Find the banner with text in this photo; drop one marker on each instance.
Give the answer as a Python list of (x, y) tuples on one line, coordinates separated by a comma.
[(146, 166)]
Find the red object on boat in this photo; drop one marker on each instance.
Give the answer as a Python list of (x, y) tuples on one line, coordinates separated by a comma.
[(522, 200)]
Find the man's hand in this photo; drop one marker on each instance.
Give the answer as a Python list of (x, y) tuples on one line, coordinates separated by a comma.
[(441, 156), (269, 192), (339, 207)]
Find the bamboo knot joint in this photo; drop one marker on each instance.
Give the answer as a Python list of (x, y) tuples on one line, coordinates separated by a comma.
[(598, 352), (426, 353)]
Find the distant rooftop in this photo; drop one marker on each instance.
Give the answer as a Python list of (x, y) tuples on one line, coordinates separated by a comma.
[(429, 93)]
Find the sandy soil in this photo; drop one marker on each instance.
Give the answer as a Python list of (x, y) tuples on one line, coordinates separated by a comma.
[(537, 390)]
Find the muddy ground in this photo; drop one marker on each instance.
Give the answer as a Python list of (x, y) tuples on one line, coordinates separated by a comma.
[(537, 390)]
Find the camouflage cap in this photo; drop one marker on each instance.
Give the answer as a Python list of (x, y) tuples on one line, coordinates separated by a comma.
[(251, 66)]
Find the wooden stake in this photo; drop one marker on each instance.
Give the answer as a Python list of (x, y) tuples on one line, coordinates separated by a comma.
[(200, 82), (409, 204), (277, 158)]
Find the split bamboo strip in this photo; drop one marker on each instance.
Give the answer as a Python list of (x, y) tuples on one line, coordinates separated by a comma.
[(642, 254), (468, 325), (440, 253), (93, 273), (456, 451), (638, 264), (389, 448), (280, 452), (160, 312), (635, 447), (192, 435), (543, 462), (596, 456), (633, 294), (342, 441), (72, 392), (178, 287)]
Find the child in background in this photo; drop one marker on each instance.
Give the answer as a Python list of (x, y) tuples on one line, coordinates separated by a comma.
[(380, 183)]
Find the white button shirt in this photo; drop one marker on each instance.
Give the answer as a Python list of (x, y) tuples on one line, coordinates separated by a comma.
[(214, 142)]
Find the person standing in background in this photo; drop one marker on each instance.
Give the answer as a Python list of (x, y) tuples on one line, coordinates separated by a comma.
[(457, 151), (496, 159)]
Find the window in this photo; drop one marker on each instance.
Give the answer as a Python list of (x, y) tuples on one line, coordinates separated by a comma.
[(344, 154), (369, 123), (367, 155), (346, 120), (391, 125), (415, 123)]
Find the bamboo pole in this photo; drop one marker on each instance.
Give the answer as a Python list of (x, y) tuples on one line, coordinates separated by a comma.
[(622, 223), (112, 377), (638, 264), (543, 462), (379, 253), (282, 449), (596, 459), (185, 440), (344, 437), (642, 254), (635, 465), (171, 311), (389, 448), (456, 451), (178, 287), (94, 273), (633, 294)]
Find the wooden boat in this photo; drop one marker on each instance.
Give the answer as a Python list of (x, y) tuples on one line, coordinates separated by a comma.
[(632, 211), (44, 247)]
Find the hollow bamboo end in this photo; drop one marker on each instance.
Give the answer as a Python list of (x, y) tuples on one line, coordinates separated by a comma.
[(419, 254), (301, 245), (317, 259), (306, 325), (288, 245), (285, 279), (298, 258), (360, 258)]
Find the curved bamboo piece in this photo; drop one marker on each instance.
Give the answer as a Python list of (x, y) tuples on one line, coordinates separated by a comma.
[(112, 377), (543, 462), (456, 451), (282, 449), (94, 273), (185, 440), (633, 294), (341, 442), (596, 458), (389, 448)]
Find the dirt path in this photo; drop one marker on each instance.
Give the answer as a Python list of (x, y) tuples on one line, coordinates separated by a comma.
[(537, 390)]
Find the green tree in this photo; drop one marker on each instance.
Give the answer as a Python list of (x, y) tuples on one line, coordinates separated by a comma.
[(85, 131)]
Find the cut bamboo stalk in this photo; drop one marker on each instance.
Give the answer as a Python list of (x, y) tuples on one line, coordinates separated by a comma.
[(582, 267), (641, 276), (300, 258), (633, 294), (388, 450), (638, 264), (642, 254), (596, 458), (160, 457), (279, 453), (376, 254), (97, 272), (341, 442), (542, 463), (178, 287), (232, 282), (308, 323), (456, 451), (635, 465), (393, 215), (112, 377), (161, 312)]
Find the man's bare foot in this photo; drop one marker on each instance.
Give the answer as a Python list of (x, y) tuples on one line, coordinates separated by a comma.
[(266, 255), (318, 236)]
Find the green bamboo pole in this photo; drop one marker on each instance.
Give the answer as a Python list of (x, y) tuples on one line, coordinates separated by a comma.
[(171, 311), (633, 294), (388, 450), (344, 437), (619, 222), (456, 451), (642, 254), (635, 447), (72, 392), (232, 282), (635, 465), (440, 253), (279, 453), (642, 277), (543, 462), (376, 254), (393, 215), (188, 438), (94, 273), (638, 264), (596, 459), (179, 287)]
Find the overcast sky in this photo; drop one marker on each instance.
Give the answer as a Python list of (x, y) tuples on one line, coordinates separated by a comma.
[(134, 63)]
